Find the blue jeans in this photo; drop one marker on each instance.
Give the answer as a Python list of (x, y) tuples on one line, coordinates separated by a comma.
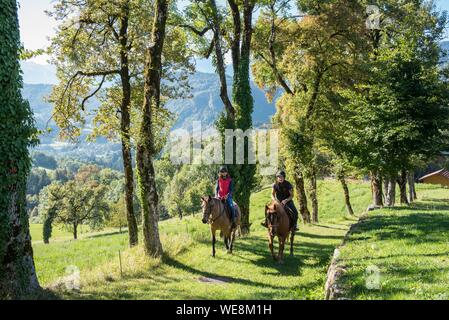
[(230, 203)]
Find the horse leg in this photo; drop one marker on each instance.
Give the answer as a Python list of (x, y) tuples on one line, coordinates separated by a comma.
[(292, 238), (270, 244), (281, 249), (231, 245), (213, 243), (225, 238)]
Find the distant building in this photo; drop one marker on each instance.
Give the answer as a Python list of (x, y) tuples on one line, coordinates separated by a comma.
[(440, 177)]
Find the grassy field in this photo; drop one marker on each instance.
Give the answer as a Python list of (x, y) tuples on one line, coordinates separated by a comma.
[(187, 271), (401, 253)]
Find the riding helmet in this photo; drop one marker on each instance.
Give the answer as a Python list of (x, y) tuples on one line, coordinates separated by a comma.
[(223, 169), (280, 173)]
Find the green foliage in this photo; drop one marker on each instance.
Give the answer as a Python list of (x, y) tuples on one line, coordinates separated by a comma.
[(181, 196), (94, 48), (399, 114), (37, 180), (87, 199)]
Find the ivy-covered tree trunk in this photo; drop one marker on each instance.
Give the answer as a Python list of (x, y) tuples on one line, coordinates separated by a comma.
[(238, 113), (344, 185), (145, 146), (17, 272), (376, 189), (244, 105), (125, 123), (402, 182), (302, 197)]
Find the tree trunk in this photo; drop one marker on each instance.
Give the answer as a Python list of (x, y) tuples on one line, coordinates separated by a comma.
[(302, 197), (344, 185), (385, 182), (125, 123), (238, 115), (145, 146), (402, 182), (17, 271), (376, 189), (220, 63), (390, 191), (75, 231), (411, 186), (313, 197)]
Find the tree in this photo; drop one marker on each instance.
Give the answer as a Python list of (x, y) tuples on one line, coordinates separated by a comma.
[(231, 29), (83, 47), (187, 185), (310, 59), (37, 179), (146, 147), (104, 42), (17, 271), (73, 204), (392, 123)]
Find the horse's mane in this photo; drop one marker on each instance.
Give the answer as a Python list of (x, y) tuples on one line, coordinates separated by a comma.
[(277, 207), (214, 200)]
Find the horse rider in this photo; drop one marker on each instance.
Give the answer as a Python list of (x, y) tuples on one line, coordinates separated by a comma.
[(282, 191), (224, 192)]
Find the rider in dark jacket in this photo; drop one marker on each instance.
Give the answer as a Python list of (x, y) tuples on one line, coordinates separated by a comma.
[(282, 191)]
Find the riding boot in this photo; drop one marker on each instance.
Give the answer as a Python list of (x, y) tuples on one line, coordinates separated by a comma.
[(233, 220)]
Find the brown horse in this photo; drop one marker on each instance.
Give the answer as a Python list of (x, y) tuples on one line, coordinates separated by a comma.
[(279, 225), (214, 213)]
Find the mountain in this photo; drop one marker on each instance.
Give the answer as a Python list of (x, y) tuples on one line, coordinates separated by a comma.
[(204, 105), (35, 73)]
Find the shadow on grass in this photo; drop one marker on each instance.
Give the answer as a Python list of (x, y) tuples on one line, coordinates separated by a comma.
[(179, 265), (105, 234), (417, 227), (408, 271)]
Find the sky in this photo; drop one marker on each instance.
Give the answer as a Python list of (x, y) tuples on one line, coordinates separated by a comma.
[(36, 27)]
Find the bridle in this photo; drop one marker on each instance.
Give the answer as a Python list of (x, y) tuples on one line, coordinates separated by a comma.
[(211, 219), (273, 214), (273, 226)]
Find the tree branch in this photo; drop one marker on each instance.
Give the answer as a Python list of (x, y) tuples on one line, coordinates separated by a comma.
[(194, 30)]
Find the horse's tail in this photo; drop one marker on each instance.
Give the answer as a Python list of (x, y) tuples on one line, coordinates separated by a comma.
[(238, 231)]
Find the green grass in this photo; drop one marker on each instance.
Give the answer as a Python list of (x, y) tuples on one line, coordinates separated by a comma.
[(250, 273), (407, 246)]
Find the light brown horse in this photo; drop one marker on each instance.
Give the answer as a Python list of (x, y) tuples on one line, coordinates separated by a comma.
[(214, 213), (279, 225)]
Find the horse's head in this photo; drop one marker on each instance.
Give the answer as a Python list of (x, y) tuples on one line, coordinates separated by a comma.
[(206, 206), (272, 218)]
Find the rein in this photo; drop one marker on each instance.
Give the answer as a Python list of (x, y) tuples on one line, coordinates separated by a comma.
[(212, 220)]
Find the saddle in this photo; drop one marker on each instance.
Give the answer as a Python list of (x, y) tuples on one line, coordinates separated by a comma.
[(290, 215)]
